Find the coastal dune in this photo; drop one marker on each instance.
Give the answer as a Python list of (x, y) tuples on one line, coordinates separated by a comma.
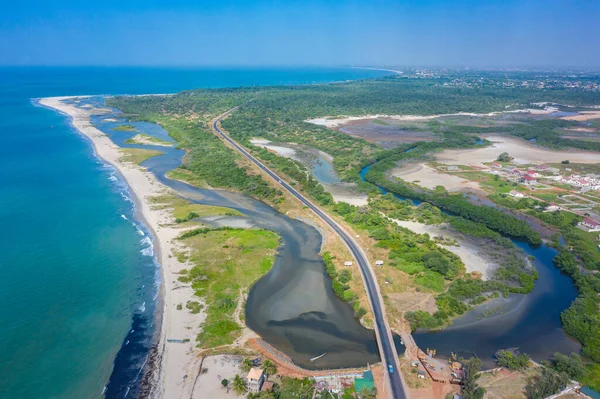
[(172, 362)]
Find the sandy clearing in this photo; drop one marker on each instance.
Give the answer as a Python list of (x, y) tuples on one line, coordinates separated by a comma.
[(208, 385), (471, 254), (430, 178), (332, 122), (583, 116), (279, 150), (522, 151), (175, 360), (147, 140)]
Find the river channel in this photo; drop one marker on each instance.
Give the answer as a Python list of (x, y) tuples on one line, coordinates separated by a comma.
[(293, 307), (528, 322)]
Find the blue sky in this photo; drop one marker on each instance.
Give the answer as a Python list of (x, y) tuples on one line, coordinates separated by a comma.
[(501, 33)]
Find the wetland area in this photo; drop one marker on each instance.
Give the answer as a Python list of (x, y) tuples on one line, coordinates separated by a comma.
[(293, 307)]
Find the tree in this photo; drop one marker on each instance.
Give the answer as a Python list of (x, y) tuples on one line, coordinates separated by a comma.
[(246, 365), (504, 157), (512, 361), (570, 365), (292, 388), (269, 367), (224, 382), (470, 388), (439, 263), (565, 162), (238, 384), (547, 384)]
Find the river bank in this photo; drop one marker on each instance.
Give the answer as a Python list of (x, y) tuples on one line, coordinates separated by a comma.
[(172, 362)]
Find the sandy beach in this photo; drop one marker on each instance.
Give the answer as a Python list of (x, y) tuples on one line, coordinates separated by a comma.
[(174, 361)]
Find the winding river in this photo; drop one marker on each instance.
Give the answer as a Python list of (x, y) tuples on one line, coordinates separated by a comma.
[(293, 307), (530, 322)]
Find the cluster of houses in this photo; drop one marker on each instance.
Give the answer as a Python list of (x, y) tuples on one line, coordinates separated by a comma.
[(588, 183), (589, 225), (531, 176)]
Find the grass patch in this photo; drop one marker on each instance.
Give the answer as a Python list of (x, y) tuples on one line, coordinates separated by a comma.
[(491, 183), (184, 211), (188, 177), (431, 280), (225, 262), (125, 128), (137, 155), (194, 307)]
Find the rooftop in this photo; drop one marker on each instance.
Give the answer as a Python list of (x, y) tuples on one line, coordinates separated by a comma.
[(255, 373)]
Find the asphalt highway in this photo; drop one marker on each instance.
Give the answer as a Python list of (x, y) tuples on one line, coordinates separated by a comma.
[(386, 344)]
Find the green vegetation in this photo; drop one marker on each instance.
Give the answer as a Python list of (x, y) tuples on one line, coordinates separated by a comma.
[(504, 157), (246, 365), (292, 388), (591, 377), (194, 307), (436, 269), (208, 159), (512, 361), (137, 155), (470, 388), (269, 367), (571, 365), (125, 128), (339, 282), (547, 384), (238, 384), (582, 319), (226, 262), (184, 211), (456, 204), (279, 114)]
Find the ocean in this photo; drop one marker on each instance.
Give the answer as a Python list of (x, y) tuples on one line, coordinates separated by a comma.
[(78, 272)]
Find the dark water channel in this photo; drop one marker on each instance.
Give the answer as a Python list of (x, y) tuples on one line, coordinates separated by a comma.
[(530, 322), (293, 307)]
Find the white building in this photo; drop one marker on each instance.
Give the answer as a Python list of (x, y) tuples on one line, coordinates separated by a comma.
[(589, 225), (255, 379), (516, 194), (552, 208)]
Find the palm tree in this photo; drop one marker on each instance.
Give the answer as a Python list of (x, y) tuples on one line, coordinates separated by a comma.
[(246, 365), (238, 384), (269, 367)]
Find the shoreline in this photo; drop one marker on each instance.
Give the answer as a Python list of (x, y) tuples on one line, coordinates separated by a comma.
[(171, 363)]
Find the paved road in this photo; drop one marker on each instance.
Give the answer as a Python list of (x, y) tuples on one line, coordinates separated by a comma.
[(386, 344)]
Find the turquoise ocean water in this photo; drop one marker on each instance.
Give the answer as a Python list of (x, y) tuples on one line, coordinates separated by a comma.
[(76, 269)]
